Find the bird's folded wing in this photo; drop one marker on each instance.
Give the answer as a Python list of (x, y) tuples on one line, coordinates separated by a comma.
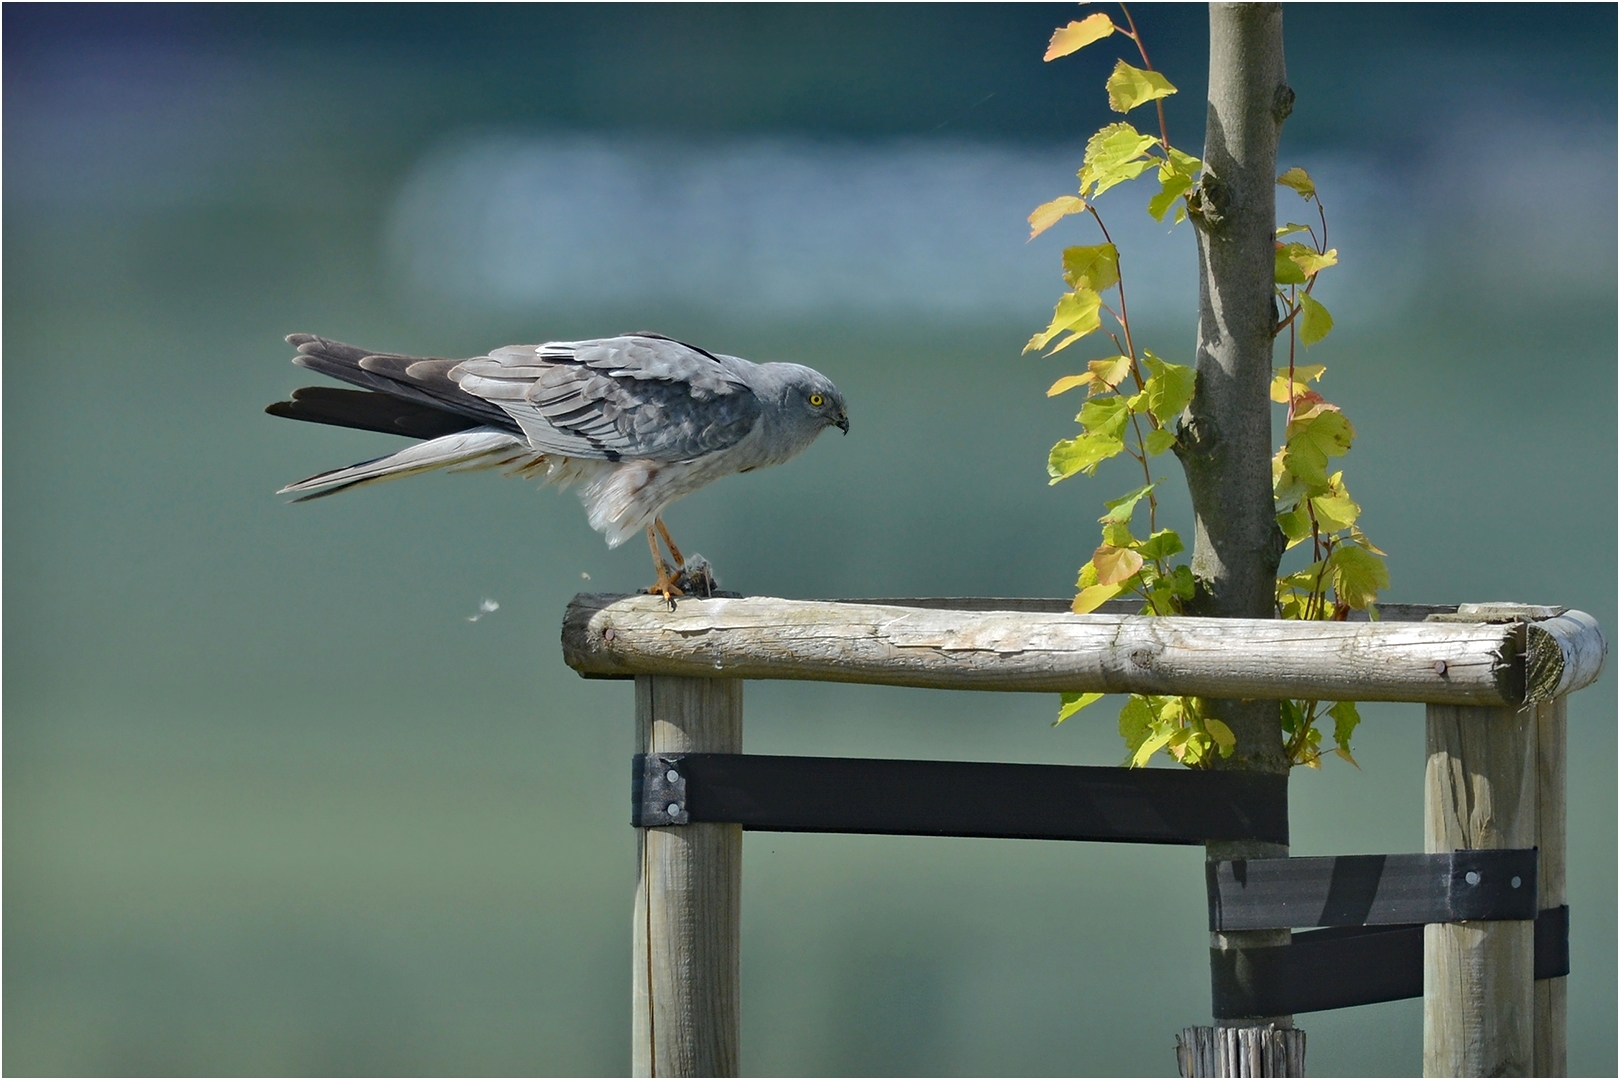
[(641, 397)]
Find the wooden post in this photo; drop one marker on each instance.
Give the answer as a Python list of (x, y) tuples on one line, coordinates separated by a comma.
[(1551, 1018), (688, 896), (1480, 791)]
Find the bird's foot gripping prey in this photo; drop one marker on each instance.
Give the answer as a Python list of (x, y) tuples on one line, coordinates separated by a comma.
[(636, 421)]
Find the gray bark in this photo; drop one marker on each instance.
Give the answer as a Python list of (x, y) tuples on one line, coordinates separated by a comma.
[(1225, 439), (1226, 444)]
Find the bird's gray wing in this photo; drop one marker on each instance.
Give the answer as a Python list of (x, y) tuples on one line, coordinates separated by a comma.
[(640, 396)]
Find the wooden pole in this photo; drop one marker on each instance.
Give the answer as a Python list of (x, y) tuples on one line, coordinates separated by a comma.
[(1461, 662), (1480, 791), (688, 905), (1551, 1018)]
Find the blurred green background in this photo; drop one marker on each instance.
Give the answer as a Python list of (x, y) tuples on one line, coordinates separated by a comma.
[(273, 804)]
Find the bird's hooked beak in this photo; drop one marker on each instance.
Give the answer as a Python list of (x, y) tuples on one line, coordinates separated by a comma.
[(842, 423)]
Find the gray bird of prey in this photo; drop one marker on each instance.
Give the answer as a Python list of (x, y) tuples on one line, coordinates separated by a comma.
[(636, 421)]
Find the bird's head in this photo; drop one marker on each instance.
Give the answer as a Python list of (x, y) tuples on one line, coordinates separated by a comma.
[(810, 400)]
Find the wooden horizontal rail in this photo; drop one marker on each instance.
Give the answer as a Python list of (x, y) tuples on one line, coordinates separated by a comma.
[(1451, 662)]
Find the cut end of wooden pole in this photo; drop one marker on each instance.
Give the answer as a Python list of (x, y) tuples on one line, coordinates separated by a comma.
[(1241, 1051)]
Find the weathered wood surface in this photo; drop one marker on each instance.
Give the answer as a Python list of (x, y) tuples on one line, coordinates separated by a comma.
[(1551, 995), (686, 1002), (1459, 663), (1246, 1051), (1480, 791)]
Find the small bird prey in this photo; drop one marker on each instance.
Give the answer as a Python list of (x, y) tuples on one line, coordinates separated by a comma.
[(636, 421)]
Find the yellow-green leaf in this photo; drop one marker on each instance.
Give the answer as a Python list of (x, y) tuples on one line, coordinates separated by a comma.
[(1075, 313), (1169, 388), (1291, 227), (1108, 372), (1093, 597), (1095, 267), (1122, 508), (1310, 261), (1047, 214), (1295, 178), (1078, 34), (1314, 320), (1304, 374), (1158, 441), (1115, 154), (1129, 87), (1151, 747), (1357, 575), (1173, 184), (1116, 565), (1105, 416), (1222, 735), (1334, 512), (1082, 454), (1073, 703), (1069, 382)]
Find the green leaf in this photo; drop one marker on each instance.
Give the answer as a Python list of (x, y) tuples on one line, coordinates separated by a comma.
[(1285, 270), (1173, 184), (1123, 507), (1115, 154), (1314, 321), (1158, 441), (1345, 720), (1169, 388), (1078, 34), (1334, 512), (1222, 735), (1105, 416), (1075, 312), (1136, 721), (1291, 227), (1295, 525), (1082, 454), (1292, 716), (1161, 545), (1297, 179), (1129, 87), (1357, 575), (1048, 214), (1073, 703), (1094, 267), (1314, 436)]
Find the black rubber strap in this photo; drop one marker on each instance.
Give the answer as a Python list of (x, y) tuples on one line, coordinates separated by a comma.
[(1372, 890), (959, 798), (1341, 967)]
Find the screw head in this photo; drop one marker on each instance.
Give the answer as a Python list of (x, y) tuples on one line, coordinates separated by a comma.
[(674, 809), (672, 776), (1516, 882), (1472, 877)]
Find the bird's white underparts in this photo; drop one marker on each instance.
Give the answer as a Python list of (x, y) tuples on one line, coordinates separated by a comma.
[(635, 421)]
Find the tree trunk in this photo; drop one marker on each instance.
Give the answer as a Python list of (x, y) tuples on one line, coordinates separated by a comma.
[(1225, 442)]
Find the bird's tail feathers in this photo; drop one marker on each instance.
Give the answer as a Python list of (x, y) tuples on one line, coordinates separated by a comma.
[(476, 448)]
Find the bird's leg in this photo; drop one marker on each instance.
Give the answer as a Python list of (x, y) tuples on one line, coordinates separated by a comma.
[(665, 585), (674, 552)]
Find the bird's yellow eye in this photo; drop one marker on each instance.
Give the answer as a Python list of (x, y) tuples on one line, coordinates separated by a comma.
[(817, 401)]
